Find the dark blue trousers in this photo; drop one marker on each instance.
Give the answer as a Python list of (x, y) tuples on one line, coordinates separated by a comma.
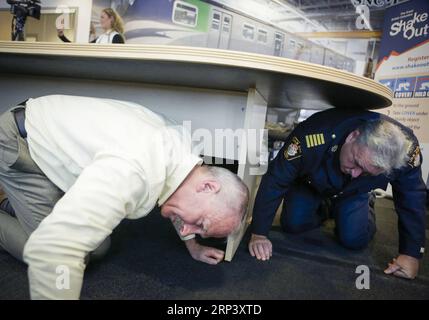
[(355, 223)]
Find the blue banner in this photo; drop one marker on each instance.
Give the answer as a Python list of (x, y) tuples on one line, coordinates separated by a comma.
[(405, 26)]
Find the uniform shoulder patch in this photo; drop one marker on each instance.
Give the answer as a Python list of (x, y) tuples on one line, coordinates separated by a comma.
[(415, 157), (294, 150)]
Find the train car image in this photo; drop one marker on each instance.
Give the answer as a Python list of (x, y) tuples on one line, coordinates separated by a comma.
[(209, 24), (167, 22)]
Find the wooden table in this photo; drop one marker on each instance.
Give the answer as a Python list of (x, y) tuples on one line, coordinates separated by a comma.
[(218, 88)]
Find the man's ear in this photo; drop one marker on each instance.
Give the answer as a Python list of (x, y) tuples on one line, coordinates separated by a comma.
[(352, 136), (207, 185)]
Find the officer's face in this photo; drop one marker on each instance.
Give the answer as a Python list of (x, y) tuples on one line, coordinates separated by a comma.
[(355, 159)]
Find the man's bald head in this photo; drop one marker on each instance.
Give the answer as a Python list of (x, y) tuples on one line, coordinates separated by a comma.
[(212, 202)]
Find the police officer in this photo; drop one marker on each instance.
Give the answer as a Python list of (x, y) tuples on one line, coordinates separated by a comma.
[(342, 155)]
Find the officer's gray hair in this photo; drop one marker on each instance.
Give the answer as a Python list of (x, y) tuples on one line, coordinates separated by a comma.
[(234, 194), (387, 142)]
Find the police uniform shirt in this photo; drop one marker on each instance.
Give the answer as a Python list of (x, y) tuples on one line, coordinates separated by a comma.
[(311, 156), (114, 160)]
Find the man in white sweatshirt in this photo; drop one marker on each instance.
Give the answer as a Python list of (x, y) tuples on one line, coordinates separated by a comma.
[(73, 167)]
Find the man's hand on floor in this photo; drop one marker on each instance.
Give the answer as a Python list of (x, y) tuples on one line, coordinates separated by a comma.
[(403, 266), (260, 247), (204, 254)]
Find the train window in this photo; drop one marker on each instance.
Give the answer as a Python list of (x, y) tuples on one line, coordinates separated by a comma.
[(226, 24), (262, 36), (248, 31), (278, 43), (292, 43), (216, 21), (185, 14)]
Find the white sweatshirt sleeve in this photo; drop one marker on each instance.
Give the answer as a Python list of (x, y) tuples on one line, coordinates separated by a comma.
[(103, 195)]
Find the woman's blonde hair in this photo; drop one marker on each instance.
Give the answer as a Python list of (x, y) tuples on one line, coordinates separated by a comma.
[(117, 24)]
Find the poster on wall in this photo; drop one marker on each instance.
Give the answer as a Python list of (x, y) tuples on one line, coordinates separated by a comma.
[(239, 25), (172, 22), (403, 67)]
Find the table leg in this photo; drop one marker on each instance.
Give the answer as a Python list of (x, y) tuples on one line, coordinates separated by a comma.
[(253, 147)]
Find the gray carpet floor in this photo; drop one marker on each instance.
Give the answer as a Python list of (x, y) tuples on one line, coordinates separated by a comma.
[(148, 261)]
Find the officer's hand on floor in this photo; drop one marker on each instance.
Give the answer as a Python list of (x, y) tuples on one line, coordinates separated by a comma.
[(204, 254), (403, 266), (260, 247)]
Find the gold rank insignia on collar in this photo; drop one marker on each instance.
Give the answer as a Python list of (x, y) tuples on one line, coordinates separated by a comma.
[(314, 140), (294, 150)]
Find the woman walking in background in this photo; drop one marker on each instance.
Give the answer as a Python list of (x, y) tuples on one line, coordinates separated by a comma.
[(112, 25)]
